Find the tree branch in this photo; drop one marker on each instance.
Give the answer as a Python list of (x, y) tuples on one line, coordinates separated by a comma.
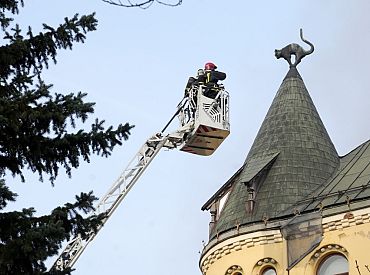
[(143, 5)]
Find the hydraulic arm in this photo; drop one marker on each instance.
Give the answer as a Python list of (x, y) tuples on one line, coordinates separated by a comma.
[(117, 192)]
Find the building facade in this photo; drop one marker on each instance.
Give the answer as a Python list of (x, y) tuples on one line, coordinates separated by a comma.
[(294, 207)]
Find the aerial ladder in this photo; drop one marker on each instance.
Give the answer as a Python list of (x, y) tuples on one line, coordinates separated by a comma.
[(204, 124)]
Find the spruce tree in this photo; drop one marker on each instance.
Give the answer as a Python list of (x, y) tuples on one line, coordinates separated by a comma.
[(38, 132)]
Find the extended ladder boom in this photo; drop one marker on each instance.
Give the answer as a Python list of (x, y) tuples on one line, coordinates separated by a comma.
[(111, 200), (204, 125)]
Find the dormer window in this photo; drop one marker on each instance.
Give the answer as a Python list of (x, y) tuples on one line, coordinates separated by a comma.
[(250, 199)]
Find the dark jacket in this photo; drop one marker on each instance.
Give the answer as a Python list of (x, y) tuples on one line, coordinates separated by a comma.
[(214, 76), (191, 81)]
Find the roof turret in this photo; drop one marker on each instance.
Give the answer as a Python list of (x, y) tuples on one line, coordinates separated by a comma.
[(292, 155)]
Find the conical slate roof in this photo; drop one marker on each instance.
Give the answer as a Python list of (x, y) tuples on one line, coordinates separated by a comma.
[(292, 155)]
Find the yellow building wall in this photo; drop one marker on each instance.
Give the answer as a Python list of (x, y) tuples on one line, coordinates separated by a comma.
[(251, 253)]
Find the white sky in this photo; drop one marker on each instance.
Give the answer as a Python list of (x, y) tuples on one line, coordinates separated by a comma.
[(135, 67)]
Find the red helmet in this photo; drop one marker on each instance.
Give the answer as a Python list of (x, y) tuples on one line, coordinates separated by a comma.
[(210, 66)]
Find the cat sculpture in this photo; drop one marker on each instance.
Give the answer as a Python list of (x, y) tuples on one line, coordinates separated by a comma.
[(296, 50)]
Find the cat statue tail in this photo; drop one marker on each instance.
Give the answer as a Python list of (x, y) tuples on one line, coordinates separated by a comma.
[(308, 42)]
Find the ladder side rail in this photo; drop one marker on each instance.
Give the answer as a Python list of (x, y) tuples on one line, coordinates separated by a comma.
[(70, 256), (145, 161), (199, 94), (193, 98), (225, 101), (184, 111), (182, 114), (72, 251), (133, 170), (128, 178), (188, 109)]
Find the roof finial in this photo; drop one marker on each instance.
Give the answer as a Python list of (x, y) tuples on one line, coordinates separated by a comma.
[(296, 50)]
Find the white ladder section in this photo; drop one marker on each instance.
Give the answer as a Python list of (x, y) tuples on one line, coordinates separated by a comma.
[(111, 200)]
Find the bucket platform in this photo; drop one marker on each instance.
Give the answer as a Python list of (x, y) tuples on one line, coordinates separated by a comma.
[(209, 119)]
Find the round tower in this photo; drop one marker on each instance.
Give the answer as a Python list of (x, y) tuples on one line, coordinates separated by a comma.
[(294, 207)]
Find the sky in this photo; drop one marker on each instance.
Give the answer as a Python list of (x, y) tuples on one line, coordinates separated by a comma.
[(135, 67)]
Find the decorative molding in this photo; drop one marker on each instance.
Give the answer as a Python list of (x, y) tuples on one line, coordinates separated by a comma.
[(238, 245), (265, 261), (332, 223), (348, 219), (235, 269), (264, 264), (330, 248)]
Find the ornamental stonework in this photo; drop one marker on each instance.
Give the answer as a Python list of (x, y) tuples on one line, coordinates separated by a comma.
[(333, 223)]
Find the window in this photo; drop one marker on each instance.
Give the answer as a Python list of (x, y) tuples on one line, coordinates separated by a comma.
[(266, 266), (269, 271), (234, 270), (334, 265)]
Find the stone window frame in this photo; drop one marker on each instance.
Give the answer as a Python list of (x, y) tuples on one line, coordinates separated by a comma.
[(323, 253), (264, 264), (234, 270)]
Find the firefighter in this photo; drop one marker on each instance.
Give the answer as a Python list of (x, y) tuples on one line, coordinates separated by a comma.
[(191, 94), (199, 79), (211, 78)]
